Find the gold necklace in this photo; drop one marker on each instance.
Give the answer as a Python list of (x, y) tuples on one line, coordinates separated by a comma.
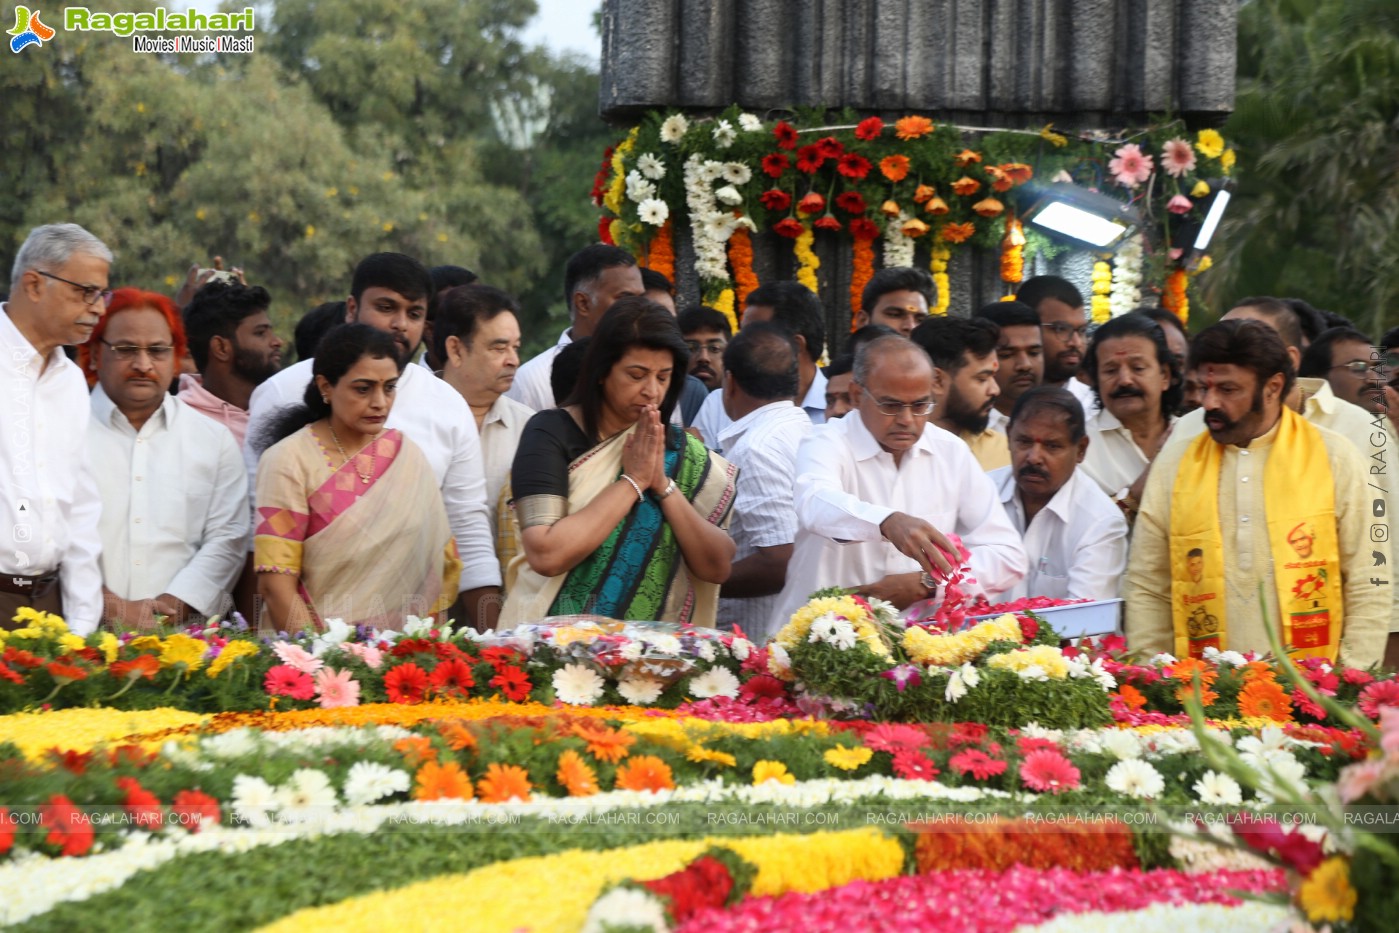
[(363, 477)]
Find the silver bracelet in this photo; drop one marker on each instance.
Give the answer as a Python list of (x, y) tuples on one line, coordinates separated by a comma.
[(670, 488), (635, 485)]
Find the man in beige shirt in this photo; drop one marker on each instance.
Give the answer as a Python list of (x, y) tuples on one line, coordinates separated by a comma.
[(1247, 373), (963, 351)]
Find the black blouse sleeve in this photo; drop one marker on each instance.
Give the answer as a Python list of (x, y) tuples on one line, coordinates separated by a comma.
[(550, 442)]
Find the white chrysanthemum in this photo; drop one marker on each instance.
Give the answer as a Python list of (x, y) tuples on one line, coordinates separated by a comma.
[(640, 690), (653, 211), (706, 649), (843, 635), (749, 123), (821, 627), (674, 129), (728, 195), (1135, 778), (970, 675), (740, 648), (626, 907), (236, 743), (578, 685), (715, 682), (253, 799), (1102, 675), (1221, 789), (956, 688), (665, 644), (1162, 659), (650, 166), (307, 796), (736, 173), (1033, 672), (631, 650), (1122, 744), (369, 781), (724, 134)]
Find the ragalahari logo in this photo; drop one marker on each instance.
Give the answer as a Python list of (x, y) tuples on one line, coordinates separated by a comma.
[(29, 30)]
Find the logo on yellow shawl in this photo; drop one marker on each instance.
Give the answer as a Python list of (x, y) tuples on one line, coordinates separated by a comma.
[(1310, 586)]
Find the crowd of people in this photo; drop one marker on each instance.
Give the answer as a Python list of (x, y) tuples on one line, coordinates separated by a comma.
[(651, 465)]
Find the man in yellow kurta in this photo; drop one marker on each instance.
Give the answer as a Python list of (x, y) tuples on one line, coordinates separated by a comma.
[(1262, 502)]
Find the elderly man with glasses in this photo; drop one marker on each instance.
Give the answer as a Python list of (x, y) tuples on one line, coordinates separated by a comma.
[(49, 504), (879, 491)]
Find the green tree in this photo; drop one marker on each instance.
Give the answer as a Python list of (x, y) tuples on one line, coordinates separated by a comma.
[(1316, 124)]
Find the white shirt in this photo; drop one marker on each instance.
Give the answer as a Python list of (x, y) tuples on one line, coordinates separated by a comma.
[(1114, 460), (847, 484), (1085, 395), (763, 445), (174, 504), (1076, 544), (712, 420), (432, 415), (532, 386), (48, 500), (500, 435), (998, 422)]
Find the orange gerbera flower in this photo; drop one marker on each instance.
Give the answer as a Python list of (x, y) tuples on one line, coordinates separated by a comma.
[(1018, 172), (457, 735), (605, 744), (936, 206), (923, 193), (1265, 699), (912, 127), (894, 167), (1130, 695), (890, 208), (645, 772), (503, 783), (999, 180), (1258, 670), (416, 750), (1207, 696), (914, 228), (442, 782), (988, 207), (575, 775), (1186, 668), (966, 157), (966, 185), (957, 233)]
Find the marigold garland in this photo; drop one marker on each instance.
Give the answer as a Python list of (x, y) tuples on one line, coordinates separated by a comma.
[(1174, 298), (724, 304), (862, 269), (1101, 306), (660, 253), (807, 260), (942, 254), (741, 259), (1013, 252), (1001, 843)]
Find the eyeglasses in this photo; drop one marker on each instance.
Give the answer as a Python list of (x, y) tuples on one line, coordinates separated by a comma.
[(129, 352), (90, 292), (1063, 331), (1356, 367), (713, 348), (893, 407)]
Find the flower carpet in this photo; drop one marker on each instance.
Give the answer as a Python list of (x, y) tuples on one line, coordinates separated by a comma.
[(675, 780)]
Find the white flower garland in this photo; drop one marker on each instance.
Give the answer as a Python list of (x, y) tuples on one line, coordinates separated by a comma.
[(898, 248), (709, 226), (1127, 277)]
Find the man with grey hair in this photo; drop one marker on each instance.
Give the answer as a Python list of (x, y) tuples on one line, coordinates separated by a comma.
[(49, 503), (879, 491)]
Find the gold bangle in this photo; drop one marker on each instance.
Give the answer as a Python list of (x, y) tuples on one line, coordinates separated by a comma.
[(635, 485)]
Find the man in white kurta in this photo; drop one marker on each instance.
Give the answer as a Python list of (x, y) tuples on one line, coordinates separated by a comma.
[(872, 479)]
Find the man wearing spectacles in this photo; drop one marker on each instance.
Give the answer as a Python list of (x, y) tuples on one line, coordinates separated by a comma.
[(1354, 369), (963, 352), (706, 333), (878, 492), (174, 524), (1065, 330), (49, 504)]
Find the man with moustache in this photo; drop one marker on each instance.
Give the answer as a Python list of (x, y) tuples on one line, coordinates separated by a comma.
[(963, 352), (1133, 373), (707, 333), (1064, 326), (235, 349), (391, 291), (1020, 351), (49, 503), (1075, 537), (1227, 508), (878, 491), (174, 524), (1351, 366)]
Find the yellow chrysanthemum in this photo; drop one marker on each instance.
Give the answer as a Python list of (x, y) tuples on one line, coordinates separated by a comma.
[(797, 628), (923, 647), (231, 652), (182, 649), (1226, 160), (1327, 894), (146, 642), (1049, 659), (699, 754), (764, 771), (109, 646), (1209, 144), (848, 759), (71, 642)]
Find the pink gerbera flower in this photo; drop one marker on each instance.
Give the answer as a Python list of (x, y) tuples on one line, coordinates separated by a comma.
[(1178, 157), (1131, 167), (1379, 694), (286, 681), (894, 736), (297, 657), (977, 763), (370, 655), (1048, 771), (336, 688), (1180, 204)]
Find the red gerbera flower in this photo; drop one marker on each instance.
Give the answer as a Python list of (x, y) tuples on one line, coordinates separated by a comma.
[(65, 673), (786, 134), (1352, 675), (827, 222), (7, 830), (854, 166), (453, 677), (412, 646), (812, 203), (143, 806), (286, 681), (1304, 704), (496, 657), (406, 683), (776, 199), (1378, 694), (830, 147), (869, 128), (776, 163), (977, 763), (72, 761), (913, 765), (512, 682), (788, 227), (852, 202), (762, 687), (195, 808), (967, 733), (862, 228), (67, 826), (809, 159), (1048, 771), (15, 655), (8, 673), (143, 665)]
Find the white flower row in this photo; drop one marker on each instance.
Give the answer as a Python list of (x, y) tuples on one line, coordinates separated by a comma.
[(1171, 918)]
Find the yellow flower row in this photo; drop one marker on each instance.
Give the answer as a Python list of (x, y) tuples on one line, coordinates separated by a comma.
[(923, 647), (82, 729), (1048, 658), (536, 900)]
